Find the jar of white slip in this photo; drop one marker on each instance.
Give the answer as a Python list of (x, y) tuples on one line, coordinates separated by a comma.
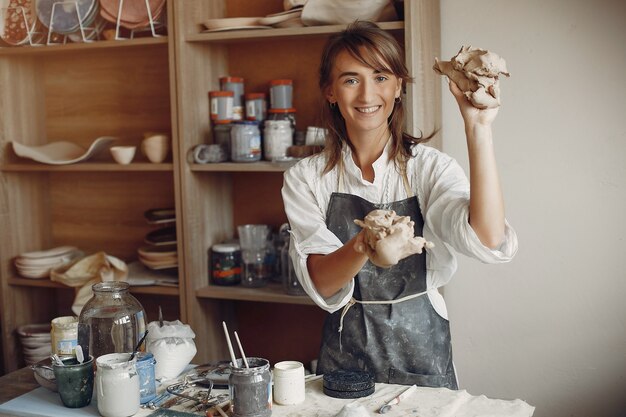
[(117, 385), (278, 137), (288, 383)]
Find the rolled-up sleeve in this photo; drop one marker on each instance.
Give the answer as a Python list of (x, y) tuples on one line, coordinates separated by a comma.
[(447, 213), (309, 234)]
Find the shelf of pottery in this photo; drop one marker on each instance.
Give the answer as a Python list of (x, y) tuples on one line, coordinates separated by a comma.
[(51, 22)]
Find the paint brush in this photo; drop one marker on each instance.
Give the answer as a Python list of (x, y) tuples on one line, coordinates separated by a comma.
[(397, 399), (230, 345), (243, 355)]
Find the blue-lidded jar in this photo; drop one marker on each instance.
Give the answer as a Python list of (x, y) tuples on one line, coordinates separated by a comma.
[(245, 139), (147, 383)]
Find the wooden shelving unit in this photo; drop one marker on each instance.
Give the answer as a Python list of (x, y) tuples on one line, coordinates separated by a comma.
[(124, 88)]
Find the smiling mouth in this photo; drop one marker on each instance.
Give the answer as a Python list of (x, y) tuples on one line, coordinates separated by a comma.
[(366, 110)]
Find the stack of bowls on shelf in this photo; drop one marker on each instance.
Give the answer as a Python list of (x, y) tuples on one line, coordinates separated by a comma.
[(37, 265), (36, 343), (161, 251)]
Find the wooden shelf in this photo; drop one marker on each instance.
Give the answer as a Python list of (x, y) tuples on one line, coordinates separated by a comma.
[(263, 166), (87, 166), (46, 283), (265, 34), (272, 293), (74, 47)]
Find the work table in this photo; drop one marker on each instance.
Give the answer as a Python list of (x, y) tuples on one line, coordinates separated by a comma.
[(426, 402)]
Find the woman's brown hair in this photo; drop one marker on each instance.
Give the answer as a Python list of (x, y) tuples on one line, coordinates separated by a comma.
[(377, 49)]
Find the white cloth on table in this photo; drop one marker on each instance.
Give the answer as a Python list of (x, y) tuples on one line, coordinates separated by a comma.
[(435, 178)]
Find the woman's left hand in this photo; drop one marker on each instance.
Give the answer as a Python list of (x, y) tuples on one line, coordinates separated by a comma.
[(472, 115)]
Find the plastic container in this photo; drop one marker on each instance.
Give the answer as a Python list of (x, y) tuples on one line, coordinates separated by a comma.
[(64, 336), (116, 320), (281, 94), (251, 388), (236, 85), (256, 107), (226, 264), (288, 383), (147, 381), (245, 142), (277, 138), (221, 106)]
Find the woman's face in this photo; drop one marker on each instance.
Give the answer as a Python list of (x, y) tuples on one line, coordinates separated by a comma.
[(365, 96)]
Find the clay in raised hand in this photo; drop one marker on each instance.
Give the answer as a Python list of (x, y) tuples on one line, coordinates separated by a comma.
[(389, 238), (476, 72)]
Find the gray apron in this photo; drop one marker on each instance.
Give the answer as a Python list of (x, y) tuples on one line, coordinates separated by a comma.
[(389, 328)]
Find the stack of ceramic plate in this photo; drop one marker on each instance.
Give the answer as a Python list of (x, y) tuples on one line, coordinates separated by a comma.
[(158, 257), (134, 13), (37, 265), (17, 17), (35, 340), (63, 17)]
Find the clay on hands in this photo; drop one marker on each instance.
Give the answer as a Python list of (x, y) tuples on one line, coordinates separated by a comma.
[(389, 238), (476, 73)]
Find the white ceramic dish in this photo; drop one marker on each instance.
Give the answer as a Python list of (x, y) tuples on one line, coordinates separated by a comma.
[(229, 22), (156, 148), (61, 153), (238, 28), (272, 19), (58, 251)]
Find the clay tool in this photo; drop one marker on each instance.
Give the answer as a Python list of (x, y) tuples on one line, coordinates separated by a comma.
[(79, 354), (243, 355), (230, 345), (138, 346), (160, 317), (397, 399)]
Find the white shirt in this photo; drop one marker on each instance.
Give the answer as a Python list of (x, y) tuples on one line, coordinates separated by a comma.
[(442, 190)]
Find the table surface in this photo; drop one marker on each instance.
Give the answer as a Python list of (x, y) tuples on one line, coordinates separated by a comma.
[(26, 398)]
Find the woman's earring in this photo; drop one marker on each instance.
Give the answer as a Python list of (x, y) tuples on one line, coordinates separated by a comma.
[(333, 104), (398, 99)]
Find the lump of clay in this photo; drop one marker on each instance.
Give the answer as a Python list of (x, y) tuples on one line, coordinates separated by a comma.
[(476, 73), (389, 238)]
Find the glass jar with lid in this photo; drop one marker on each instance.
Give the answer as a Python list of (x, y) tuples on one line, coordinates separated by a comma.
[(226, 264), (277, 138), (245, 139), (113, 319)]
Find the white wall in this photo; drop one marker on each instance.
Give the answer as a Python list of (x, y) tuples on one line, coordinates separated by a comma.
[(550, 327)]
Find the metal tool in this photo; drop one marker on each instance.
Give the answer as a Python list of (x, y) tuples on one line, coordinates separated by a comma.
[(396, 400)]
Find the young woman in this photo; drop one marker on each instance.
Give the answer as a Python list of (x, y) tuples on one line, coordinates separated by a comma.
[(389, 322)]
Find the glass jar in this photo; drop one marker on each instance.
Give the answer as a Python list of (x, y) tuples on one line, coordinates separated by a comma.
[(221, 106), (251, 388), (225, 264), (221, 137), (283, 114), (64, 335), (278, 137), (245, 140), (147, 382), (115, 319)]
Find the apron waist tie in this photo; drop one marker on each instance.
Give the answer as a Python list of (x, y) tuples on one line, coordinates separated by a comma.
[(354, 301)]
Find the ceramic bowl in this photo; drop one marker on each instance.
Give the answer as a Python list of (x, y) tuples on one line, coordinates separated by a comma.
[(45, 377), (123, 154), (156, 148)]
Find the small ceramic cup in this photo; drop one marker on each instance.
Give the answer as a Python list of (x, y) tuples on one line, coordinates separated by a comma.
[(123, 154), (75, 382), (156, 148)]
